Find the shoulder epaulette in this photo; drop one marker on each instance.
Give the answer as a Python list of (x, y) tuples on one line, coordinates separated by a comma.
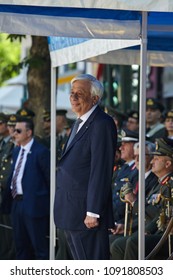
[(165, 180)]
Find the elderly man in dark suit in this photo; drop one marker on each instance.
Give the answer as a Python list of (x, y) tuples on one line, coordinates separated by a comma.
[(28, 191), (83, 201)]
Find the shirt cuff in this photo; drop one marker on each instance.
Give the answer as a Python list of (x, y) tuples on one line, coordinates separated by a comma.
[(93, 215)]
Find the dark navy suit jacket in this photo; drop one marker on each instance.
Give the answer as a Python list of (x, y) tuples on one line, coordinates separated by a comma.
[(35, 182), (84, 174)]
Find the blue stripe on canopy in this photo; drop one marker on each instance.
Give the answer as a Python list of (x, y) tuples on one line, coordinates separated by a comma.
[(57, 43), (69, 22), (70, 12)]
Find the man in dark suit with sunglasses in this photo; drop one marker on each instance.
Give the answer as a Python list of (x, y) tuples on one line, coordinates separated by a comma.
[(29, 192)]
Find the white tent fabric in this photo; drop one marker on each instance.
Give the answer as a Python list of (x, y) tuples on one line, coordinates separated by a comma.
[(11, 98), (86, 49), (129, 57), (142, 5), (159, 46), (50, 21)]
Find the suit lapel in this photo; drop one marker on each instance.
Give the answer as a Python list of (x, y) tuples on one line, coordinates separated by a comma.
[(28, 159), (83, 129)]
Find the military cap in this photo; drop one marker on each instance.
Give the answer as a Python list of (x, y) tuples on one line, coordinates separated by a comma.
[(154, 104), (3, 118), (114, 113), (168, 114), (134, 115), (12, 120), (61, 112), (69, 124), (129, 135), (25, 112), (46, 115), (164, 147)]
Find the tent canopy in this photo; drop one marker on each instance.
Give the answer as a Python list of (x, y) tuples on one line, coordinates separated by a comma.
[(85, 23), (142, 5), (92, 21), (106, 51), (159, 45)]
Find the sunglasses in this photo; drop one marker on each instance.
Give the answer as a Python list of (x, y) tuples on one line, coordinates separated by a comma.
[(18, 130)]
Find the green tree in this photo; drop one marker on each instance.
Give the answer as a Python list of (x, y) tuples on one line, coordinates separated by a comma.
[(38, 77), (9, 58)]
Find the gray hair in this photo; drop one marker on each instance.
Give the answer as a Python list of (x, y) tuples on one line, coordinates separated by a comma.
[(97, 88), (149, 145)]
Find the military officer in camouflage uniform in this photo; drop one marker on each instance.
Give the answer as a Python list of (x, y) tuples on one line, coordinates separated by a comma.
[(7, 250)]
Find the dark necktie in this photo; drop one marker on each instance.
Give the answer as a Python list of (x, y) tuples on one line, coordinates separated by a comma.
[(14, 180), (74, 131), (2, 144)]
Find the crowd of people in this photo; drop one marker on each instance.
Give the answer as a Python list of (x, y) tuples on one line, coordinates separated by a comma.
[(158, 182), (96, 199), (24, 219)]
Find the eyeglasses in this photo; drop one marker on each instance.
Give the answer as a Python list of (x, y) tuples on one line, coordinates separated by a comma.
[(18, 130)]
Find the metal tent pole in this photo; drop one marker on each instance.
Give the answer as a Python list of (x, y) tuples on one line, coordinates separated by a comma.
[(142, 110), (53, 163)]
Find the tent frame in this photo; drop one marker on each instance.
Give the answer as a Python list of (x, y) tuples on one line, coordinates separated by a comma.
[(142, 109), (142, 124)]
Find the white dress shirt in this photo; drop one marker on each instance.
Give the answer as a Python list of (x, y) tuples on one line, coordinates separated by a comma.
[(84, 119), (27, 148)]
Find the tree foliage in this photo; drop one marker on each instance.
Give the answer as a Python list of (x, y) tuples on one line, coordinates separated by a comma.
[(9, 58), (38, 76)]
